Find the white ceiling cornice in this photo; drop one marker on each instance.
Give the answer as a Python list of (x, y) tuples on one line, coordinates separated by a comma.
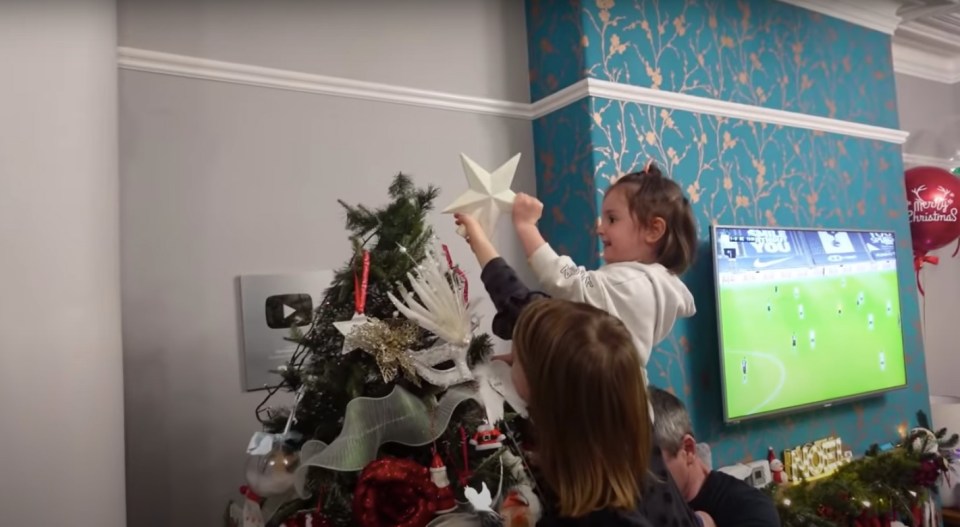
[(879, 15), (933, 33), (914, 160), (917, 61), (929, 48)]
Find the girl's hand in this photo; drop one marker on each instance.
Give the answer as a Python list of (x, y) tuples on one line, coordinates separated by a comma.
[(472, 231), (479, 243), (527, 210), (506, 357)]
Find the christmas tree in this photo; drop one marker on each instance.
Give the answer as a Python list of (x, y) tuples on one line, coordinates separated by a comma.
[(398, 409)]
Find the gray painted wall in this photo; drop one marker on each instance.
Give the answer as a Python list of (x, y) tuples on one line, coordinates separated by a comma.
[(219, 180), (931, 112), (474, 48), (61, 377)]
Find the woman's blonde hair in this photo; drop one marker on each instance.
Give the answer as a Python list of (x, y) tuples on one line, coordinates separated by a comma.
[(588, 403)]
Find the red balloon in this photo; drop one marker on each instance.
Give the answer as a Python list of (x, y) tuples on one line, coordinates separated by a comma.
[(932, 197)]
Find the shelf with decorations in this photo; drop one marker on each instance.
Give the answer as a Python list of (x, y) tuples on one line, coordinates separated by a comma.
[(890, 485)]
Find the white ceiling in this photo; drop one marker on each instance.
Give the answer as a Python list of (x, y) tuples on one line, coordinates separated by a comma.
[(927, 46)]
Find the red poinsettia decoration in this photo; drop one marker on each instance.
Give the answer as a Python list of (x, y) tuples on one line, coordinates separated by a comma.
[(394, 492)]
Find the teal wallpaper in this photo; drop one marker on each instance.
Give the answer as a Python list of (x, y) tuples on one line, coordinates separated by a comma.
[(734, 171), (565, 181), (554, 43), (759, 52)]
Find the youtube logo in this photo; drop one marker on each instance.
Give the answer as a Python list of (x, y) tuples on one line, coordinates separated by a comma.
[(271, 305), (286, 311)]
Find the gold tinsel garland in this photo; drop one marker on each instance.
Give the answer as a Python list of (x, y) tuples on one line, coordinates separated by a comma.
[(389, 343)]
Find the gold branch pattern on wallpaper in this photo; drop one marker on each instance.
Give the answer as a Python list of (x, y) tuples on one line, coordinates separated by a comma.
[(755, 52)]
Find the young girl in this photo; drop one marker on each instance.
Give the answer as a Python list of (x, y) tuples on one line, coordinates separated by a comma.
[(649, 237), (580, 374)]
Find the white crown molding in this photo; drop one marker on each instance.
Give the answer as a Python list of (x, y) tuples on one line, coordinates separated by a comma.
[(870, 13), (234, 73), (918, 62), (932, 33), (943, 29), (560, 99), (680, 101), (914, 160), (212, 70), (925, 49)]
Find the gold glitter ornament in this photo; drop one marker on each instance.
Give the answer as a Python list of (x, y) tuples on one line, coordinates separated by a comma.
[(389, 343)]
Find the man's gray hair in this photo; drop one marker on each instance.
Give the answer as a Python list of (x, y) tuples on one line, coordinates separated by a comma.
[(671, 420)]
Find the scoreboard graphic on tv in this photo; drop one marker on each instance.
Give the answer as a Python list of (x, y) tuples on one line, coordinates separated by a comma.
[(757, 249)]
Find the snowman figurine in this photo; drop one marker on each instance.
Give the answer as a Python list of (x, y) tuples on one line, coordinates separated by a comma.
[(488, 437)]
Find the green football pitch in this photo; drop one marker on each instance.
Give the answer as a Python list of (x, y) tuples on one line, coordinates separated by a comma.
[(793, 343)]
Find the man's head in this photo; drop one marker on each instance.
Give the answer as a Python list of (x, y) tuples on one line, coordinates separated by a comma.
[(673, 432)]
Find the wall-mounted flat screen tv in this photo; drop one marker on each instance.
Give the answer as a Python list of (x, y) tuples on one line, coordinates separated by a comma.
[(808, 317)]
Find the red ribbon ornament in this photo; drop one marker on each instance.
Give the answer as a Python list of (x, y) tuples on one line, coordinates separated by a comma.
[(394, 492), (459, 272), (249, 493), (918, 262), (360, 285), (465, 473)]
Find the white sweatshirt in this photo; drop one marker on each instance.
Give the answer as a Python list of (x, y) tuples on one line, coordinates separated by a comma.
[(646, 297)]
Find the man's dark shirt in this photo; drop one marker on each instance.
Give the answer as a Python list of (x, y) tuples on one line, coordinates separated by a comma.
[(733, 503)]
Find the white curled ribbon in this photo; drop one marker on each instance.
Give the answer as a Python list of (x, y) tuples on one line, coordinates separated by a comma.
[(369, 422)]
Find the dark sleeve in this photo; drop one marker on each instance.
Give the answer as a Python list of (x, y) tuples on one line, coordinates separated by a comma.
[(662, 503), (509, 295)]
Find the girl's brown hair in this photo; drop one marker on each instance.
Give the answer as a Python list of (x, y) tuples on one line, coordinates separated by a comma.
[(588, 404), (651, 195)]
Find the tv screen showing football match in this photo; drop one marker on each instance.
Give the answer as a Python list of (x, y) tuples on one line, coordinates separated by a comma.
[(807, 317)]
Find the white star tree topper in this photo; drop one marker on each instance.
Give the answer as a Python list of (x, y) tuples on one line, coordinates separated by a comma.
[(488, 194)]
